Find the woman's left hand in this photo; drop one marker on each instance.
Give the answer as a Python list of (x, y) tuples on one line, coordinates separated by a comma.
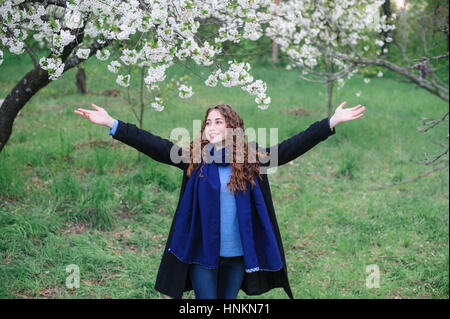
[(342, 115)]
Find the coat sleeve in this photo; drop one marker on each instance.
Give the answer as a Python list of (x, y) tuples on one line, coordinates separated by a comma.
[(300, 143), (151, 145)]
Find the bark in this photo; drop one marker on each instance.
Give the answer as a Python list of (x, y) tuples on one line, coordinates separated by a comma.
[(388, 13), (81, 79)]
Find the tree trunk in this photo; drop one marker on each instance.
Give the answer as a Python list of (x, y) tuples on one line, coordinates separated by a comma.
[(275, 45), (81, 79), (330, 84), (29, 85), (32, 82), (388, 13)]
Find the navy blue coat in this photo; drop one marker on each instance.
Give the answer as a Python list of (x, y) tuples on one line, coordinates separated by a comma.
[(173, 276)]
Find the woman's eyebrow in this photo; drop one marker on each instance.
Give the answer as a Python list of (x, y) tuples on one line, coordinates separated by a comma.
[(217, 118)]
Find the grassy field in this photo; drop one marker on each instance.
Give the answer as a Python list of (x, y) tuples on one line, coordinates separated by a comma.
[(70, 194)]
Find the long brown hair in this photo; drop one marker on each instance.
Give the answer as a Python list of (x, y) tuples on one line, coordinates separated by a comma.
[(240, 172)]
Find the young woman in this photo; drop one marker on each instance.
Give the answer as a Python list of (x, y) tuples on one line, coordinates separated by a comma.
[(224, 236)]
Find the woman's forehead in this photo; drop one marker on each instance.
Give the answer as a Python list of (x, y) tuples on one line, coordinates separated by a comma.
[(214, 115)]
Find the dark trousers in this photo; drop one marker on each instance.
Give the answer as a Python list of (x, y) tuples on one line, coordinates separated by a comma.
[(223, 282)]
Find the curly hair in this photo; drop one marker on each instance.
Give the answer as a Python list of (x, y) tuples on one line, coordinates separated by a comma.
[(241, 171)]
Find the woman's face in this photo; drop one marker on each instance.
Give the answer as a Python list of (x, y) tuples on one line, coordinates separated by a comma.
[(215, 127)]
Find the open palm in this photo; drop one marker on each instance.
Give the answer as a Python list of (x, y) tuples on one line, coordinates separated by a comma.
[(342, 115), (99, 116)]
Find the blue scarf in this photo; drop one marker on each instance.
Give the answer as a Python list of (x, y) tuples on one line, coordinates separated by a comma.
[(196, 233)]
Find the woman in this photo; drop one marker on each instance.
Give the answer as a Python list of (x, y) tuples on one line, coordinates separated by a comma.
[(224, 235)]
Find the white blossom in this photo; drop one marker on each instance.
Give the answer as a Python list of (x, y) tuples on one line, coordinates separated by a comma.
[(185, 91), (83, 53), (103, 54), (156, 74), (157, 105), (123, 80), (114, 66), (53, 66), (129, 56), (212, 80)]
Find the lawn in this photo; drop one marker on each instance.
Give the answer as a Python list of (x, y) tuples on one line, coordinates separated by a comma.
[(71, 194)]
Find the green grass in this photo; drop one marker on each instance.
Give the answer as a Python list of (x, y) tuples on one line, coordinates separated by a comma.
[(70, 194)]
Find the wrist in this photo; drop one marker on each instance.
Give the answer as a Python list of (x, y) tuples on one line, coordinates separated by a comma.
[(333, 122), (110, 123)]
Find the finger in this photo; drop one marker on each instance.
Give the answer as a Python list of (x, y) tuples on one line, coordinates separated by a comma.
[(343, 104), (354, 108), (96, 107), (358, 111), (81, 112)]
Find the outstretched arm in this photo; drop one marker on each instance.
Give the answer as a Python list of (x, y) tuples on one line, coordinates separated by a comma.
[(317, 132), (342, 115), (151, 145)]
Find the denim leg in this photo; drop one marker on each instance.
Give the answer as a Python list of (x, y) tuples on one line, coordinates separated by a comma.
[(204, 281), (231, 274)]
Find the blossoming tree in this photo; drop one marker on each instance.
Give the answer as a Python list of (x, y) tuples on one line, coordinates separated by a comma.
[(347, 35), (313, 32), (166, 30)]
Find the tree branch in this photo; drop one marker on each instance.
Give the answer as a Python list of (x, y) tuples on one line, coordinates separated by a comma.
[(383, 186)]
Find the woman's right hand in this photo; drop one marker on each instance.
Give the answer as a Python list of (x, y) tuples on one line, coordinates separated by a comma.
[(100, 116)]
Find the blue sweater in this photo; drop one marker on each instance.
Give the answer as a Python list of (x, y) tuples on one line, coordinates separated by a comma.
[(230, 238)]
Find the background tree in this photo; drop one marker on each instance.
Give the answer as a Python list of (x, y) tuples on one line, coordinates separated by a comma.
[(330, 40)]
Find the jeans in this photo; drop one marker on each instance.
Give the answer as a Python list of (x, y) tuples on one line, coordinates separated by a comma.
[(223, 282)]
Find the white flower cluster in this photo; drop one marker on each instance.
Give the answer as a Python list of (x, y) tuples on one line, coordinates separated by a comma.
[(379, 42), (157, 105), (340, 83), (129, 57), (252, 31), (258, 88), (1, 57), (54, 67), (123, 80), (185, 92), (83, 53), (203, 55), (103, 54), (238, 74), (154, 53), (114, 66), (157, 74), (212, 79), (61, 40)]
